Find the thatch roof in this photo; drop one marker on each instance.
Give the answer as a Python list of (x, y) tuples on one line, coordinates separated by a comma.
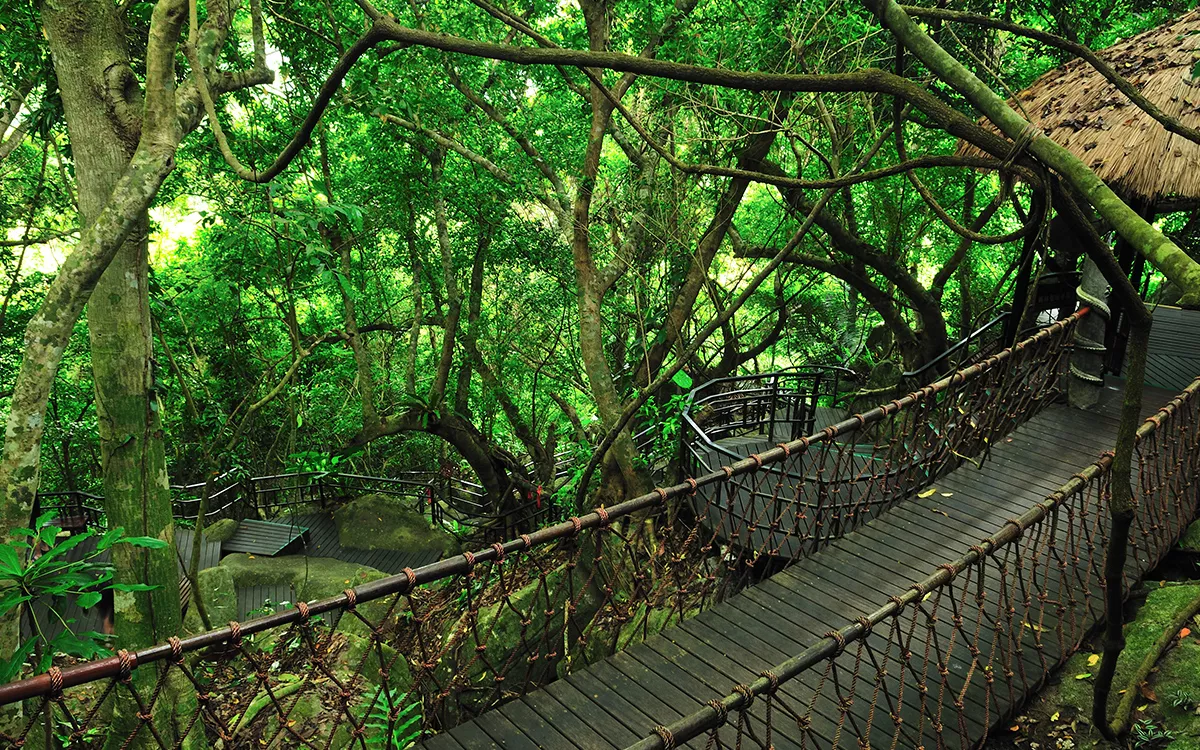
[(1076, 107)]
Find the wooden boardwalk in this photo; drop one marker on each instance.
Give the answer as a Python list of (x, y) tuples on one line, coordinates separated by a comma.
[(1174, 357), (322, 541), (616, 702)]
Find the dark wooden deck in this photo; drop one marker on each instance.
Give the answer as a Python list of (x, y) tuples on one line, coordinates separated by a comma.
[(322, 541), (616, 702), (265, 537), (1174, 357)]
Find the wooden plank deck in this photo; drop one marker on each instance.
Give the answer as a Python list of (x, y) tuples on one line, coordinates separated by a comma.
[(322, 541), (264, 537), (614, 703), (1174, 357)]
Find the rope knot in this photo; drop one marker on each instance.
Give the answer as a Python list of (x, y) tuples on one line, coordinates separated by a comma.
[(410, 577), (302, 607), (499, 549), (665, 735), (470, 558), (576, 525), (786, 450), (757, 459), (693, 484), (125, 661), (772, 678), (56, 682), (747, 695), (603, 517), (722, 711), (351, 599), (176, 649)]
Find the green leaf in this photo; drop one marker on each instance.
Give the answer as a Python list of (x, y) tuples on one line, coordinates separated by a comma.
[(110, 538), (148, 542), (682, 379), (10, 563), (12, 599), (10, 667), (89, 600), (132, 587)]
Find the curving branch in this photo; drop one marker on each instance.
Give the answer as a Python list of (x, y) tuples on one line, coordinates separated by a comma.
[(1081, 51)]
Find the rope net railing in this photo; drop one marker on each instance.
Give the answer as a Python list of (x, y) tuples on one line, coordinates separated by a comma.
[(941, 661), (825, 486), (432, 647)]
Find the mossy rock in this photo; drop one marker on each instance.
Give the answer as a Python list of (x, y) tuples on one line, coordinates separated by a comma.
[(1154, 617), (358, 651), (375, 522), (306, 711), (537, 647), (313, 578), (221, 530), (637, 629), (219, 594), (1179, 676)]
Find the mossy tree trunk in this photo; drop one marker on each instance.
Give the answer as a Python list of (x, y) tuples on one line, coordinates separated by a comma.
[(103, 104)]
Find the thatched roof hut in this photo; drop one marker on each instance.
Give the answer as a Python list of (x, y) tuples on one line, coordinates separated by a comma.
[(1080, 110)]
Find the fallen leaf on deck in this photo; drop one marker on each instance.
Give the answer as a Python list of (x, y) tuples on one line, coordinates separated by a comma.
[(927, 493), (1185, 632), (1083, 676), (1093, 660), (947, 494)]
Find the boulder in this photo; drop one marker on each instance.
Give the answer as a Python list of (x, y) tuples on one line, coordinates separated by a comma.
[(313, 578), (525, 632), (383, 522), (219, 594), (221, 530)]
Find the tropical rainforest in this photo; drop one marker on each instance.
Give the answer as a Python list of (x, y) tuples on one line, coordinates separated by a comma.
[(501, 242)]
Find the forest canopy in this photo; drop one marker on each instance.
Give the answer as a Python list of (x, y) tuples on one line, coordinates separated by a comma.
[(503, 241)]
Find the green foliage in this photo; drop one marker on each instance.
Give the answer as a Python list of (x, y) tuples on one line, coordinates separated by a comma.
[(1184, 698), (1146, 735), (35, 567), (394, 720)]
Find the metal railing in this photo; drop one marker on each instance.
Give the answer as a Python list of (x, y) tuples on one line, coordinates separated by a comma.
[(780, 405)]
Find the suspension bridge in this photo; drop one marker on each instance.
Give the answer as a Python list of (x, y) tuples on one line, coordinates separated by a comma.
[(906, 576)]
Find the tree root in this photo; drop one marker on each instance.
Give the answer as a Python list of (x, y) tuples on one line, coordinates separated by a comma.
[(1120, 718)]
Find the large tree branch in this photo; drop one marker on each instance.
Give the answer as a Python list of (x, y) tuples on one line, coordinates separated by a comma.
[(1174, 263), (1082, 51)]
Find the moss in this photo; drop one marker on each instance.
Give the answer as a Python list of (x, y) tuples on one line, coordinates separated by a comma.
[(1152, 619), (637, 629), (382, 522), (219, 594), (312, 578), (221, 530), (1179, 672), (348, 660), (1191, 539)]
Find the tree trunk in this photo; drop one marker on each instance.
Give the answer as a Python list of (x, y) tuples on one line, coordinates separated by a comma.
[(102, 103)]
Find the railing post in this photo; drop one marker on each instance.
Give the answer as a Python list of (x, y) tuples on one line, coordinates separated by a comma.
[(774, 406)]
